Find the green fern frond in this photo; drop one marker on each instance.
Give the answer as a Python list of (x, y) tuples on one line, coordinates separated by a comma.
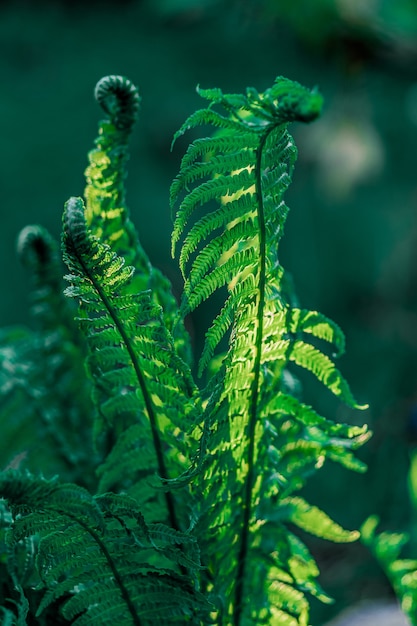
[(262, 446), (45, 397), (98, 558), (316, 522), (318, 325), (107, 214), (319, 364), (18, 566), (145, 397), (209, 223), (237, 253), (401, 572), (39, 253)]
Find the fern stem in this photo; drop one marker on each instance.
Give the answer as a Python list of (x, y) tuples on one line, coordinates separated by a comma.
[(247, 504), (153, 418)]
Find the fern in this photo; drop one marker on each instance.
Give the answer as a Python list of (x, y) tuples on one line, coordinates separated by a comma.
[(264, 442), (44, 390), (401, 572), (186, 509), (95, 554), (107, 214), (143, 390), (388, 548)]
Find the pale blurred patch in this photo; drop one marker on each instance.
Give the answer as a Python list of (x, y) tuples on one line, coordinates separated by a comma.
[(347, 150), (371, 614), (358, 10)]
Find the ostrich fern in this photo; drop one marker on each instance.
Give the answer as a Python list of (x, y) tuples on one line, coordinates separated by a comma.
[(179, 500)]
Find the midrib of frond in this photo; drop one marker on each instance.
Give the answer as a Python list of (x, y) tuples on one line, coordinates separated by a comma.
[(153, 418), (254, 391), (112, 565)]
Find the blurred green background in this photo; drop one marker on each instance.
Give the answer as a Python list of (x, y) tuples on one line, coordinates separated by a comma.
[(351, 236)]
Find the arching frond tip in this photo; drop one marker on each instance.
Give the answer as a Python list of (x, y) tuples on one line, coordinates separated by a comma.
[(120, 99)]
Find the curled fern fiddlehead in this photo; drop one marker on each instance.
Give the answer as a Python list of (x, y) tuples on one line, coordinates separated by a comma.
[(36, 247), (120, 99), (39, 252)]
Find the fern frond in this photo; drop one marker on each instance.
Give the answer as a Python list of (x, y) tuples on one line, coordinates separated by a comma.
[(98, 558), (144, 393), (222, 186), (39, 253), (206, 117), (318, 325), (316, 522), (45, 399), (401, 572), (208, 223), (107, 214), (15, 606), (106, 211), (312, 359), (264, 444)]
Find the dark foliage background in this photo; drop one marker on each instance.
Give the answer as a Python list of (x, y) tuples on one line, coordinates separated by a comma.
[(351, 235)]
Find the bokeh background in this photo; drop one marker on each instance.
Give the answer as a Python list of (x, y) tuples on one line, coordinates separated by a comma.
[(351, 236)]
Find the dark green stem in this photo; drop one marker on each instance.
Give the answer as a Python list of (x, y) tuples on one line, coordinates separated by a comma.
[(247, 502)]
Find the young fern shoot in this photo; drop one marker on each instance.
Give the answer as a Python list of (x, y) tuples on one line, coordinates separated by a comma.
[(190, 506), (263, 442), (143, 389), (106, 211)]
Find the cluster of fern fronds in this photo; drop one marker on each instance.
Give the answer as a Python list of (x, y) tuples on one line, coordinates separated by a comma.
[(176, 502)]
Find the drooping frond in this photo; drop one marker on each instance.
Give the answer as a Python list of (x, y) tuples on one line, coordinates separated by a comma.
[(245, 170), (264, 443), (45, 397), (145, 397), (107, 214), (98, 560)]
